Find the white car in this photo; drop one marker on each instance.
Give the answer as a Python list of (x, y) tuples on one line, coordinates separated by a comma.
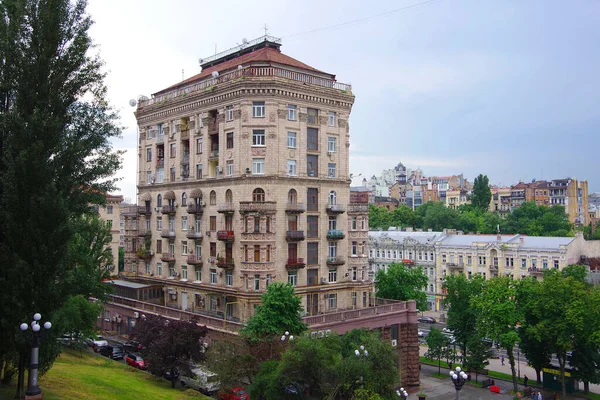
[(97, 342), (448, 330), (420, 333), (201, 380)]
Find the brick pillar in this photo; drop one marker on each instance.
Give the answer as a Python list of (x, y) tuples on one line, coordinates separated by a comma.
[(408, 353)]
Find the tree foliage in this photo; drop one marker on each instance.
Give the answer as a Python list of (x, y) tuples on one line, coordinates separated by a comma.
[(482, 195), (438, 346), (169, 344), (402, 283), (477, 355), (234, 362)]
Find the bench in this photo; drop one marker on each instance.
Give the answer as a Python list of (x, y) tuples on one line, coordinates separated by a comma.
[(487, 383)]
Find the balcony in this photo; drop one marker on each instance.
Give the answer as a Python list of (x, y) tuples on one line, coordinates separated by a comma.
[(335, 209), (168, 209), (295, 263), (192, 233), (143, 210), (455, 265), (358, 208), (335, 234), (160, 163), (195, 208), (185, 160), (167, 233), (213, 155), (339, 260), (226, 263), (144, 254), (160, 139), (266, 207), (167, 257), (536, 270), (225, 208), (226, 236), (294, 236), (194, 259), (295, 208), (144, 232), (494, 267)]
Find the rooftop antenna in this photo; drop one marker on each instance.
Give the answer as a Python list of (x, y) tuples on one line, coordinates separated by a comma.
[(266, 30), (182, 74)]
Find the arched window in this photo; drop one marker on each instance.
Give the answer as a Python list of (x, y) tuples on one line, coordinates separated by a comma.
[(184, 200), (213, 198), (332, 198), (258, 195), (159, 201), (292, 196), (228, 196)]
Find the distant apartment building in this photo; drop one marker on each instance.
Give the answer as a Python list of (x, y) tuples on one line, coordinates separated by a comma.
[(111, 214), (456, 198), (500, 201)]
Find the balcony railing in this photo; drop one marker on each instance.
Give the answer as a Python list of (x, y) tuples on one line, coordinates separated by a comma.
[(160, 139), (167, 257), (258, 206), (226, 208), (167, 233), (292, 236), (455, 265), (295, 208), (160, 163), (168, 209), (338, 260), (536, 270), (226, 263), (192, 233), (195, 208), (185, 159), (144, 210), (335, 208), (213, 154), (355, 314), (227, 236), (145, 254), (295, 263), (249, 73), (335, 234), (194, 259), (358, 208), (143, 232)]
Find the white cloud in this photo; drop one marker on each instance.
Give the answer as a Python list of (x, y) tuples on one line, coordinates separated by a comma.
[(128, 174)]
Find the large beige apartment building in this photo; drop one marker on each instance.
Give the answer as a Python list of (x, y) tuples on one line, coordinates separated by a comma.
[(111, 214)]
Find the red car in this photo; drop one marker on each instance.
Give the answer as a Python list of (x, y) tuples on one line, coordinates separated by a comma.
[(236, 393), (135, 361)]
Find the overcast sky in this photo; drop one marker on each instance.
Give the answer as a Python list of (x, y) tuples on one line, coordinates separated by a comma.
[(510, 89)]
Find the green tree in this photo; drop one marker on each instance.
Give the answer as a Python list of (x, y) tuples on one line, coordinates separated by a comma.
[(403, 216), (55, 154), (402, 283), (477, 356), (482, 195), (279, 312), (379, 218), (437, 216), (461, 316), (438, 346), (121, 266), (498, 315), (233, 361)]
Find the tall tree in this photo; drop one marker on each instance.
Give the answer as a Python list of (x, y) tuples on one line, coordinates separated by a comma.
[(55, 152), (402, 283), (477, 356), (482, 195), (438, 346)]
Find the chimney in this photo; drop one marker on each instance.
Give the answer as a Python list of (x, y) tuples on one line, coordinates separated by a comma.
[(521, 239), (499, 237)]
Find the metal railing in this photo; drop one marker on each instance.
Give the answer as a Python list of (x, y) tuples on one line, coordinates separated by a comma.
[(354, 314)]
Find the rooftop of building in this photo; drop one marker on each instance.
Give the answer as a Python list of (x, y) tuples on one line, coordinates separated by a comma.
[(537, 242), (421, 237)]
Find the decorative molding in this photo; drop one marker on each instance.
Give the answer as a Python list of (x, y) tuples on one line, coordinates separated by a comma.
[(323, 120), (272, 116), (342, 123), (281, 113), (237, 114), (259, 151), (245, 116)]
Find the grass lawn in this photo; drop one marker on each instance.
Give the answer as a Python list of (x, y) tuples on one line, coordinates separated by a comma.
[(93, 377)]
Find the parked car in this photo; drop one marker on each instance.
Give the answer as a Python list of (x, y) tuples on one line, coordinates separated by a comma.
[(135, 360), (133, 346), (236, 393), (421, 333), (114, 352), (428, 320), (201, 380), (97, 342), (447, 330)]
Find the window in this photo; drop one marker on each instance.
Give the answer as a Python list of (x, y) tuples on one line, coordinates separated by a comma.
[(258, 166), (184, 200), (258, 195), (354, 248), (469, 259), (523, 262), (292, 196), (149, 154), (212, 223), (109, 223), (173, 152), (159, 223), (199, 274), (291, 167), (312, 222), (172, 174), (148, 268), (149, 132), (172, 225), (332, 250), (331, 144), (258, 137), (332, 198), (354, 224), (213, 249), (268, 280), (332, 275), (199, 146), (533, 263), (312, 253), (332, 303), (482, 260), (291, 140), (159, 246), (292, 112), (230, 140), (213, 198), (331, 170), (331, 118), (293, 278), (171, 270), (184, 248), (198, 171), (312, 165), (184, 223), (160, 175), (213, 276), (109, 209), (184, 272), (161, 129), (256, 228), (312, 199), (444, 259), (556, 264), (332, 223), (313, 115), (229, 113), (258, 109), (229, 278), (149, 177), (159, 201), (354, 299), (256, 282), (229, 165), (312, 139)]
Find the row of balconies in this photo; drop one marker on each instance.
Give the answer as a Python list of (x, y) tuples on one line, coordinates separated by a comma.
[(250, 207), (229, 236)]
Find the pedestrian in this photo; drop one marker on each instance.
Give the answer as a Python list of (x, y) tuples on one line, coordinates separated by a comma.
[(502, 359), (525, 380), (539, 396)]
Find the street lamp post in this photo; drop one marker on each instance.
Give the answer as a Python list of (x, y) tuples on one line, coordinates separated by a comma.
[(360, 354), (458, 378), (403, 394), (287, 336), (33, 390)]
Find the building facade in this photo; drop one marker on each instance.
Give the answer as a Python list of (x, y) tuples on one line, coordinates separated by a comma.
[(111, 214)]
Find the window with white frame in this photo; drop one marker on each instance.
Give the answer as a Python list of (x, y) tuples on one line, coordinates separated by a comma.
[(147, 268), (160, 175), (258, 109), (354, 222), (160, 128), (198, 271), (293, 278), (159, 223), (331, 118), (171, 270), (149, 132), (354, 248), (258, 165), (184, 223), (331, 144), (199, 146), (148, 176), (353, 299), (229, 165), (256, 282), (331, 170), (229, 278), (291, 141), (291, 164), (159, 269), (229, 113), (198, 171), (332, 302), (332, 275), (292, 109), (184, 272), (213, 276), (149, 154), (258, 137), (184, 248)]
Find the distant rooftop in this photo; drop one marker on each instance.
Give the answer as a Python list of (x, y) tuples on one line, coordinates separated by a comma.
[(537, 242)]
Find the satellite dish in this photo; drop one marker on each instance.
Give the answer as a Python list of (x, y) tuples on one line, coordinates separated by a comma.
[(201, 61), (240, 67), (132, 102), (215, 74)]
